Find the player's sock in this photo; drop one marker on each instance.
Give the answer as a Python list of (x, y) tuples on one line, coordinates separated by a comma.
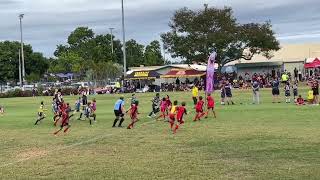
[(94, 117), (121, 121), (56, 122), (196, 117), (65, 130), (115, 122), (176, 128), (171, 125), (90, 121), (201, 115), (36, 122), (54, 117), (55, 133), (130, 126)]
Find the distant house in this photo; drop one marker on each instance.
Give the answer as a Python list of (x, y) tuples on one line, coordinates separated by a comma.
[(289, 57)]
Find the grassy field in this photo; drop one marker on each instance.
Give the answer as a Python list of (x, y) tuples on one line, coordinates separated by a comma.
[(267, 141)]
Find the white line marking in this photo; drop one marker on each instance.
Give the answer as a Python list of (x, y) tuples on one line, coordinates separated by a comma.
[(62, 148)]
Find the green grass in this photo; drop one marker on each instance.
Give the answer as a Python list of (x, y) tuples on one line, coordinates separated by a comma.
[(267, 141)]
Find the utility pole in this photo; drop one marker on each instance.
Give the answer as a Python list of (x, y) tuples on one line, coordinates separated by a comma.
[(124, 43), (20, 77), (22, 52), (111, 29)]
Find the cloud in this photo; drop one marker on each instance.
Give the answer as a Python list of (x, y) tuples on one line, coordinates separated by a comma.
[(49, 22)]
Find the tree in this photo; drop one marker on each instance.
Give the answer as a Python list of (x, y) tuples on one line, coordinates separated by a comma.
[(35, 63), (152, 54), (80, 36), (85, 50), (135, 55), (195, 34)]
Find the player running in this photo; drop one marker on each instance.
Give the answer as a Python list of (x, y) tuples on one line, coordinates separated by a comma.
[(155, 106), (84, 105), (210, 106), (65, 119), (199, 110), (172, 114), (133, 114), (181, 111), (41, 114)]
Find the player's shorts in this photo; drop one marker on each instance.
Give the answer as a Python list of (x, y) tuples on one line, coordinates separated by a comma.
[(199, 110), (275, 92), (195, 100), (163, 109), (295, 92), (87, 115), (133, 116), (287, 93), (211, 108), (315, 91), (118, 113), (40, 114), (172, 117), (228, 93), (180, 120), (223, 94), (155, 108), (65, 121)]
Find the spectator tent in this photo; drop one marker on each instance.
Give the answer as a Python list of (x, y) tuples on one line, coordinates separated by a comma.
[(137, 75), (314, 64)]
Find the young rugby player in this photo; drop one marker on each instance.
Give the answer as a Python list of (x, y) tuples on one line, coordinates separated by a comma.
[(163, 109), (172, 114), (84, 105), (199, 110), (181, 111), (65, 119), (41, 114), (287, 92), (210, 106), (155, 106), (133, 114)]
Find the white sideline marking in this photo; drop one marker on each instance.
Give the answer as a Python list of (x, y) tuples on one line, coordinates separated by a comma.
[(62, 148)]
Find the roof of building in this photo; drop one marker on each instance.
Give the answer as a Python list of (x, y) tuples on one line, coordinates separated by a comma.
[(198, 67), (287, 53)]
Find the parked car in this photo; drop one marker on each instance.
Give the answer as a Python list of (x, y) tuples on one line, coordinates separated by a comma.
[(111, 85)]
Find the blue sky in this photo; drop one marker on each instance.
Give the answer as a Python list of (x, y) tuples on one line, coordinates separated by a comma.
[(49, 22)]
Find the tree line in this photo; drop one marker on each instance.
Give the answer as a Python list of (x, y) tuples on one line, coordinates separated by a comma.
[(193, 35)]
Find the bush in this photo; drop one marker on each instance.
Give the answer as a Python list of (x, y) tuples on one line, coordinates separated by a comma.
[(20, 93)]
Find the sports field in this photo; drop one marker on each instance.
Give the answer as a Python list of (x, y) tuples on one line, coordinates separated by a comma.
[(267, 141)]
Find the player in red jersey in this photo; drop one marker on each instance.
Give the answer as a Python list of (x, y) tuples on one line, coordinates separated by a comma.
[(163, 107), (65, 119), (61, 108), (172, 114), (210, 106), (300, 101), (181, 112), (133, 114), (199, 109), (168, 105)]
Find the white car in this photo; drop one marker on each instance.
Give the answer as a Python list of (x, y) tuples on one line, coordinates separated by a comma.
[(111, 85)]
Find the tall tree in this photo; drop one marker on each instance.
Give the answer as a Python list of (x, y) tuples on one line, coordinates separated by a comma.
[(87, 54), (35, 63), (153, 54), (135, 55), (195, 34)]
